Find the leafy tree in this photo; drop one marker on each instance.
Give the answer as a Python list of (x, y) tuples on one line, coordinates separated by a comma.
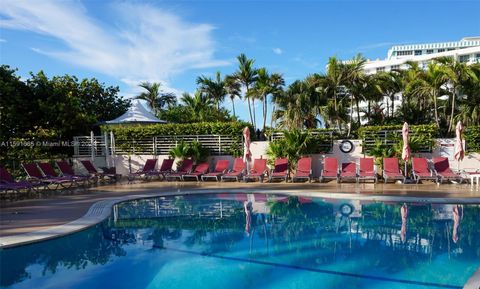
[(233, 89), (156, 98), (429, 86), (267, 84), (246, 76), (457, 74), (295, 109), (62, 104), (390, 84), (213, 89)]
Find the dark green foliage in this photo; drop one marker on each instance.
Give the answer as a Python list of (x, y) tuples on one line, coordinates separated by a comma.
[(42, 111), (193, 150), (127, 132), (472, 138), (62, 104), (293, 145)]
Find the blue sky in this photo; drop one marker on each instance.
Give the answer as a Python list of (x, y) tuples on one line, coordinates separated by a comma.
[(125, 42)]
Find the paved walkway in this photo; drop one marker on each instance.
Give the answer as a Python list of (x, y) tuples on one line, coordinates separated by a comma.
[(24, 216)]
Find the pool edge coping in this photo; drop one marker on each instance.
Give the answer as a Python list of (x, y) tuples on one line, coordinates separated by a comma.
[(101, 210)]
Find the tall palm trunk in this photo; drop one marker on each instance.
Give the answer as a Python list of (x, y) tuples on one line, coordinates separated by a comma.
[(351, 117), (450, 125), (264, 112), (273, 111), (254, 117), (233, 107), (392, 98), (249, 107), (358, 110), (337, 120), (435, 108), (369, 110)]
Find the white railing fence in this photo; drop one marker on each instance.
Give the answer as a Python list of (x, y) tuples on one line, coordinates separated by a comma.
[(158, 145)]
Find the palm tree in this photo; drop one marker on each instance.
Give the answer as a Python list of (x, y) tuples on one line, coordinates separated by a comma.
[(155, 98), (458, 74), (198, 105), (334, 79), (233, 89), (390, 84), (356, 83), (295, 109), (213, 88), (266, 84), (412, 108), (373, 96), (247, 75), (429, 86), (469, 109)]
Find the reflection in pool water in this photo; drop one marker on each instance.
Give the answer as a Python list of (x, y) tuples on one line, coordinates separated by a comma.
[(257, 241)]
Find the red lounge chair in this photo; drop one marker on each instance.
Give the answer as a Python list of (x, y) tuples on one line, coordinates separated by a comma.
[(8, 183), (198, 172), (367, 170), (68, 171), (50, 172), (330, 169), (258, 171), (220, 168), (280, 170), (421, 170), (94, 172), (166, 167), (185, 167), (443, 171), (237, 171), (304, 170), (36, 175), (147, 171), (391, 170), (349, 171)]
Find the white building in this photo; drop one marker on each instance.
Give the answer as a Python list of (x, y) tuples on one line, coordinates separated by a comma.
[(466, 50)]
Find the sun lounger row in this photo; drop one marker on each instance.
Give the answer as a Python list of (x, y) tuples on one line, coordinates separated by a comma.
[(43, 175), (439, 171)]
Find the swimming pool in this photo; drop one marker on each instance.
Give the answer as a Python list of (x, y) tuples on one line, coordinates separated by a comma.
[(257, 241)]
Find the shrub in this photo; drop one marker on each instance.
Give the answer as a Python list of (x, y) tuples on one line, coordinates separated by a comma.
[(293, 145), (192, 150), (472, 138), (132, 131)]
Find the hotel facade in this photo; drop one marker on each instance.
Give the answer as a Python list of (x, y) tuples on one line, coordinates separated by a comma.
[(466, 50)]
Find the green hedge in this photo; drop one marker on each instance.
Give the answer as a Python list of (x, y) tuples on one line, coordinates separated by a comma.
[(472, 138), (125, 132), (429, 129), (385, 141)]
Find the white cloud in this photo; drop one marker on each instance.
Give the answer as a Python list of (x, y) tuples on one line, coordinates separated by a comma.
[(2, 40), (277, 50), (142, 42)]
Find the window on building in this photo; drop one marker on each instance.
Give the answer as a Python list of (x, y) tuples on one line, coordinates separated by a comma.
[(380, 69), (429, 51), (418, 52), (450, 49), (402, 53), (441, 50), (395, 67), (477, 56), (464, 58)]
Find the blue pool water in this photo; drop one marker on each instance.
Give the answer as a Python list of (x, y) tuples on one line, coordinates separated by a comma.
[(257, 241)]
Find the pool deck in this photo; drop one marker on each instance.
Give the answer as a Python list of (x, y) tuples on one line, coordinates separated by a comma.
[(31, 220)]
